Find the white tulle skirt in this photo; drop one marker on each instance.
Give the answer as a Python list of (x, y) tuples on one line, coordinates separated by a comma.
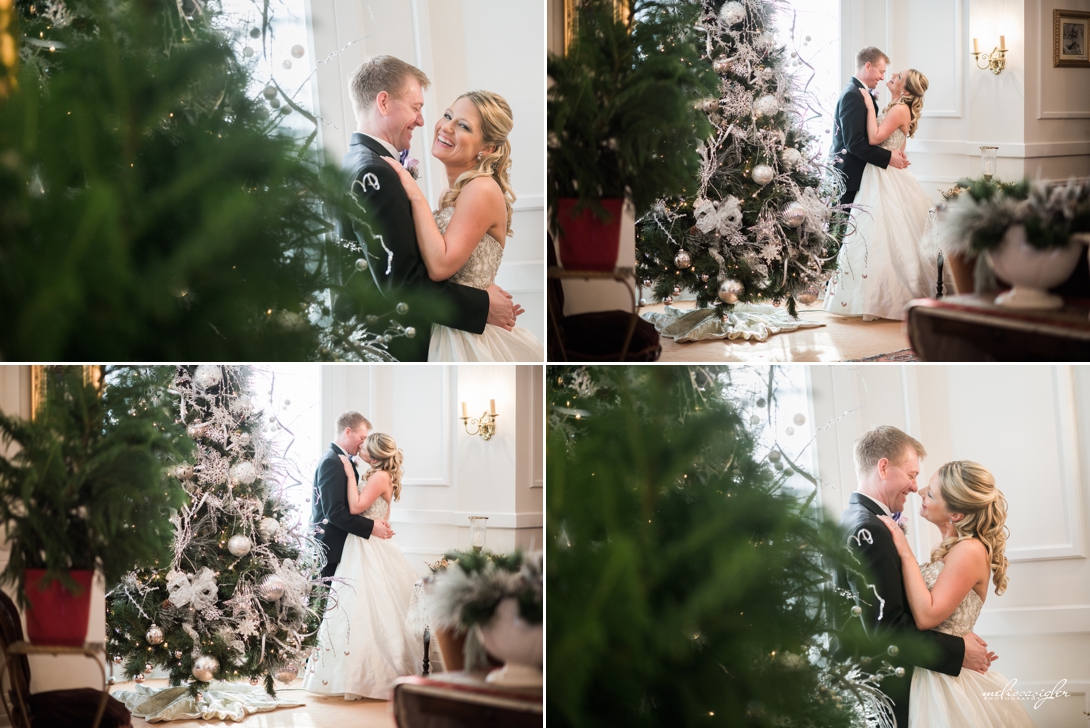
[(881, 265), (365, 642), (495, 344), (942, 701)]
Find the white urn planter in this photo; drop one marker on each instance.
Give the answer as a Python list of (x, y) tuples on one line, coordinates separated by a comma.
[(518, 643), (1031, 271)]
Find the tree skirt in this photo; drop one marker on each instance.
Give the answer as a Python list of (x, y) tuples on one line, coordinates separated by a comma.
[(748, 321), (221, 701)]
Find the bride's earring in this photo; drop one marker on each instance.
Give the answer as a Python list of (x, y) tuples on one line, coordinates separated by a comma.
[(480, 155)]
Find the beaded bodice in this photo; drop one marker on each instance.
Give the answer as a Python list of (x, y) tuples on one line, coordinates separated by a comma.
[(380, 508), (480, 270), (964, 617), (896, 140)]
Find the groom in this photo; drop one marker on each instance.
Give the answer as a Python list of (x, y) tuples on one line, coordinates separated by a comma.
[(852, 150), (887, 462), (330, 515), (387, 96)]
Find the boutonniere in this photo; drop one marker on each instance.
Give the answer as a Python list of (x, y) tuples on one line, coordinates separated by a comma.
[(901, 519), (411, 164)]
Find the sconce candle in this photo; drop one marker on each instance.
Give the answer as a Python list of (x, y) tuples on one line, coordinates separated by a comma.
[(994, 61), (485, 424), (976, 46), (1002, 43)]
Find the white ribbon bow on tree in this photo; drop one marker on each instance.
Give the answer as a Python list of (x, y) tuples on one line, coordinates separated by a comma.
[(198, 590)]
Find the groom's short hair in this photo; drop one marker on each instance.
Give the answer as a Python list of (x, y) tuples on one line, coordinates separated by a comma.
[(886, 442), (382, 73), (870, 55), (352, 420)]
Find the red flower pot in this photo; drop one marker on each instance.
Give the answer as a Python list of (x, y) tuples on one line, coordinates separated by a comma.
[(586, 242), (54, 615)]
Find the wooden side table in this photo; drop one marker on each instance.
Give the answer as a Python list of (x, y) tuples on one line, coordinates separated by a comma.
[(627, 276), (464, 700), (92, 650)]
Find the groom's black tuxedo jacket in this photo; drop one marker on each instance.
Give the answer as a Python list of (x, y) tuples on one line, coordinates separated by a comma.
[(879, 560), (330, 512), (851, 145), (389, 215)]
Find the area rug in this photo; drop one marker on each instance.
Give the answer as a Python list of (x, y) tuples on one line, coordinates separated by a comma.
[(901, 355)]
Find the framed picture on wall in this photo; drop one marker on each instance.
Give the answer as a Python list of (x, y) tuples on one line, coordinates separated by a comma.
[(1069, 39)]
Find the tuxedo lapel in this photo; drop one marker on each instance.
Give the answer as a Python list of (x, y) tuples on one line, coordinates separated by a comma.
[(370, 143)]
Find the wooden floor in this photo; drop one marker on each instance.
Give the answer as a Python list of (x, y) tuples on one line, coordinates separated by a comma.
[(320, 711), (842, 338)]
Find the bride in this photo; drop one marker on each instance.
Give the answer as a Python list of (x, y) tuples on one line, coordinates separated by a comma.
[(881, 266), (948, 593), (364, 642), (464, 240)]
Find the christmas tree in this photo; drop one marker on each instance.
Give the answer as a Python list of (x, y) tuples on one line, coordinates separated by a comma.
[(150, 205), (686, 578), (755, 225), (236, 598)]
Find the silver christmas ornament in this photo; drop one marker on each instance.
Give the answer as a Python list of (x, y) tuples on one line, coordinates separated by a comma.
[(899, 672), (272, 587), (799, 419), (297, 51), (117, 659), (790, 157), (239, 545), (766, 105), (683, 259), (893, 650), (704, 277), (754, 420), (410, 332), (721, 66), (668, 300), (177, 654), (361, 264), (244, 472), (287, 673), (274, 103), (857, 610), (247, 51), (794, 214), (732, 13), (677, 290), (762, 174), (139, 678), (147, 667), (208, 375), (775, 456), (402, 308), (790, 431), (709, 106), (154, 634), (253, 681), (255, 32), (730, 290), (184, 471), (269, 92), (204, 667), (807, 296), (268, 528), (286, 64)]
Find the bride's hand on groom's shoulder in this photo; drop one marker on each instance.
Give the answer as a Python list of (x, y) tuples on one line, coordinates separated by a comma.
[(867, 98), (347, 465), (899, 539), (404, 176)]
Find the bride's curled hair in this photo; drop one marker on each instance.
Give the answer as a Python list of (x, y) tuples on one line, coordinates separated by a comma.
[(915, 87), (387, 456), (496, 124), (969, 488)]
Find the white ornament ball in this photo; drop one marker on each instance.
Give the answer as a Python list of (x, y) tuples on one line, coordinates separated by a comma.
[(410, 331), (402, 308), (732, 13), (297, 51), (154, 635), (794, 214), (762, 174), (668, 300), (361, 264), (790, 157), (807, 296), (730, 290), (272, 588), (269, 92), (274, 103), (287, 673), (139, 678), (286, 64), (208, 375), (253, 681), (799, 419), (268, 528), (244, 472), (239, 545), (683, 259), (766, 105), (204, 667)]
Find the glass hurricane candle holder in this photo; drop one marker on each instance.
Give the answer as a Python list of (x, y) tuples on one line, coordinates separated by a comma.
[(478, 531), (988, 161)]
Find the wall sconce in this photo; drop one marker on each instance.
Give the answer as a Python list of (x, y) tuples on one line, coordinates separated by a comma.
[(485, 424), (994, 61)]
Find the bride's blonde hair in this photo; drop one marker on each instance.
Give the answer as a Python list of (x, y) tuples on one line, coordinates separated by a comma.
[(915, 87), (969, 488), (387, 456), (496, 124)]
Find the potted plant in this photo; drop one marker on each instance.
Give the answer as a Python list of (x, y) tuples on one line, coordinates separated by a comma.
[(495, 602), (622, 120), (82, 489), (1030, 235)]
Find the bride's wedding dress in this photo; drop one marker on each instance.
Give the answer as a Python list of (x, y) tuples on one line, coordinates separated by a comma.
[(881, 265), (495, 344), (365, 641), (942, 701)]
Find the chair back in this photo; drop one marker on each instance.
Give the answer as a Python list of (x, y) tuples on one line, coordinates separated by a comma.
[(18, 667)]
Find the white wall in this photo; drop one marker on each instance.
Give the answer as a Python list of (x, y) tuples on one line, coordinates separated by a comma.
[(1037, 115), (496, 45), (1030, 425), (48, 672), (449, 474)]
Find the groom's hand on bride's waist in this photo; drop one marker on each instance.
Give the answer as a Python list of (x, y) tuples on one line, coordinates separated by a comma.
[(502, 311), (899, 160), (977, 656), (382, 529)]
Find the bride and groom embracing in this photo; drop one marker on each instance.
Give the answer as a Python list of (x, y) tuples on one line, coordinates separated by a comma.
[(938, 603), (365, 641), (882, 264), (446, 262)]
